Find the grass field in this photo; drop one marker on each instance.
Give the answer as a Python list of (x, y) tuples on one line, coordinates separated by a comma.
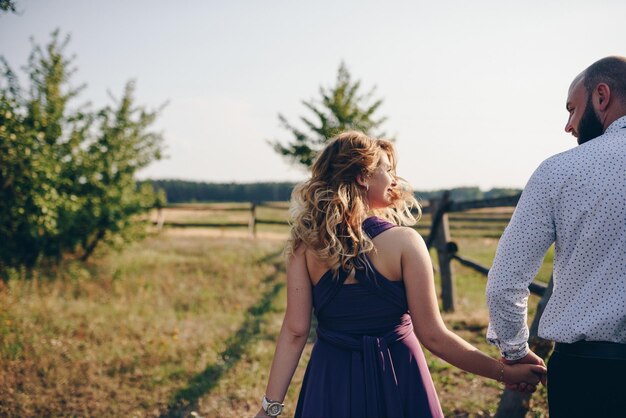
[(186, 321)]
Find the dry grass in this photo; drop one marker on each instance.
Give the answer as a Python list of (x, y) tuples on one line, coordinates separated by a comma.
[(186, 321), (124, 336)]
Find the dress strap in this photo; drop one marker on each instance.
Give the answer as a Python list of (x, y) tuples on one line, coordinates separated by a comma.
[(375, 225), (328, 286)]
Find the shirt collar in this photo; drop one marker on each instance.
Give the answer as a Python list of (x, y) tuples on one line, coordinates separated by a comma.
[(616, 125)]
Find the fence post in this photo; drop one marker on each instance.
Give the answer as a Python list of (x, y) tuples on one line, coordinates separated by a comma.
[(440, 242), (160, 219), (252, 222)]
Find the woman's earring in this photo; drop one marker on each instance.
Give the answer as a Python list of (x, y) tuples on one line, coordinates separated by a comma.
[(367, 187)]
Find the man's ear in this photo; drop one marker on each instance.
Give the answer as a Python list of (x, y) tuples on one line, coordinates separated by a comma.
[(602, 97)]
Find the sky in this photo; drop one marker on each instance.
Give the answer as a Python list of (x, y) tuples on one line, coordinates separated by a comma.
[(474, 92)]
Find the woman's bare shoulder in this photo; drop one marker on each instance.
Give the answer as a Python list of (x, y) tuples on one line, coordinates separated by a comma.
[(406, 235), (315, 265), (294, 254), (300, 250), (407, 240)]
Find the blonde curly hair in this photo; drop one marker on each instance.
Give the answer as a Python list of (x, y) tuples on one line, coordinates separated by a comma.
[(327, 210)]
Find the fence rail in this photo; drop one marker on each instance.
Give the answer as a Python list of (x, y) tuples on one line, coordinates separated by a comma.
[(251, 223)]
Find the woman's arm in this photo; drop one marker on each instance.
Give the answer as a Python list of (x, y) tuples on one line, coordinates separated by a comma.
[(417, 272), (295, 329)]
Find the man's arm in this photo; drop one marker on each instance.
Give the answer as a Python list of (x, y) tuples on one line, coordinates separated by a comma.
[(518, 258)]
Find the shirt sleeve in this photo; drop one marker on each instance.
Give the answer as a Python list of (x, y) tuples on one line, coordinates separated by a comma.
[(520, 253)]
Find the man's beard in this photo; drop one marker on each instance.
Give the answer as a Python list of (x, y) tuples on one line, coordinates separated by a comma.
[(590, 125)]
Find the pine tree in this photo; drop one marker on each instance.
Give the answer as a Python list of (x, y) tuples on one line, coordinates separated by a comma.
[(7, 6), (342, 107)]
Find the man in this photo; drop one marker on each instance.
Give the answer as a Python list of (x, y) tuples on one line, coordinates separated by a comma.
[(576, 199)]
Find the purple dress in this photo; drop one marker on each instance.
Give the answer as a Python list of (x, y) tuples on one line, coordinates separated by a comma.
[(366, 361)]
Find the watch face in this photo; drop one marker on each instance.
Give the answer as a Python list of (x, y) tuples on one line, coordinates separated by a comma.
[(274, 409)]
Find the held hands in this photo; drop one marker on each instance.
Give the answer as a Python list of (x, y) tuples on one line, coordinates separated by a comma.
[(525, 373)]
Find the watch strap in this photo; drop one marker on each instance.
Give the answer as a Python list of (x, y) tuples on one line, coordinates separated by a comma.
[(268, 402)]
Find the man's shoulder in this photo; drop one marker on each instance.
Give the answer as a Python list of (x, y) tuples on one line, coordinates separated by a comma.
[(585, 153), (571, 159), (582, 164), (555, 163), (554, 171)]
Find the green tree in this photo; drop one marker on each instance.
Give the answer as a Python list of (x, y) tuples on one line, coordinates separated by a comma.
[(67, 172), (7, 6), (342, 107)]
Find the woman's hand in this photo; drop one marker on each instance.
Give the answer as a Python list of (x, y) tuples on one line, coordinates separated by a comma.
[(524, 375)]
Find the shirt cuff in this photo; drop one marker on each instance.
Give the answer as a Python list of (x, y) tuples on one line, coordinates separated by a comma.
[(511, 353)]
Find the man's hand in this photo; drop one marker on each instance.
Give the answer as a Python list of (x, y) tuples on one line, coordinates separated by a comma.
[(530, 358)]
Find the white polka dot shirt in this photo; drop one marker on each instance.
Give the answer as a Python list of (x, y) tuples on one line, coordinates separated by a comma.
[(576, 199)]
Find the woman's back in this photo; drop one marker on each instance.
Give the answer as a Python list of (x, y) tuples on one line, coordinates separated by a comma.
[(386, 257), (377, 285), (367, 359)]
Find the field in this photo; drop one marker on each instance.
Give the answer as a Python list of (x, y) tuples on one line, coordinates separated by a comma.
[(184, 324)]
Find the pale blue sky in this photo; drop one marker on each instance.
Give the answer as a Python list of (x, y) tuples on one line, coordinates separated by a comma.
[(474, 91)]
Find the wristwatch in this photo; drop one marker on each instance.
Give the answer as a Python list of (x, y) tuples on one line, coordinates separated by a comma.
[(272, 408)]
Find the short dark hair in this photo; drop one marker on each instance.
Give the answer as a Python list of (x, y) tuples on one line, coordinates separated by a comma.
[(609, 70)]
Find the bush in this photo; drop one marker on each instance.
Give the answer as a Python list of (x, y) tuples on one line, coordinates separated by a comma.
[(67, 173)]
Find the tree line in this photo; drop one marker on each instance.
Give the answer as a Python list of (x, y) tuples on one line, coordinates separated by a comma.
[(182, 191)]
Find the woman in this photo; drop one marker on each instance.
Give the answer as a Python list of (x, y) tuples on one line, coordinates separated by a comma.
[(371, 285)]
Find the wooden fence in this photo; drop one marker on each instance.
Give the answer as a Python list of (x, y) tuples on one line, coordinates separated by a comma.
[(251, 224), (512, 404), (447, 250)]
